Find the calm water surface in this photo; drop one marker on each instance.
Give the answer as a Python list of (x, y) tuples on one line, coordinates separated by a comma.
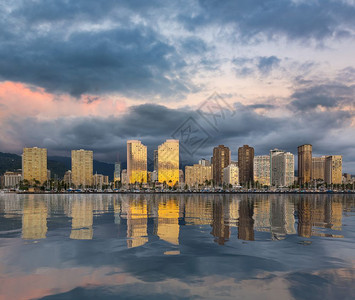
[(177, 246)]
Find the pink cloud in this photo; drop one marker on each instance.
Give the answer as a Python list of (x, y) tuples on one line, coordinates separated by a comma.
[(17, 99)]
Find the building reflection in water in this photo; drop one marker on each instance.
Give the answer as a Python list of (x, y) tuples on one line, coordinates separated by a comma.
[(140, 217), (168, 221), (315, 213), (246, 221), (82, 219), (136, 213), (34, 219)]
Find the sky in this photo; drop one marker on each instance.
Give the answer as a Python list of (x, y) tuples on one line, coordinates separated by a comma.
[(93, 74)]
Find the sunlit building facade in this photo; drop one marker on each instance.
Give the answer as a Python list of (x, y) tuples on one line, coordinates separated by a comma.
[(12, 179), (318, 168), (333, 169), (82, 164), (304, 164), (231, 175), (262, 169), (34, 164), (168, 162), (197, 175), (282, 168), (136, 162)]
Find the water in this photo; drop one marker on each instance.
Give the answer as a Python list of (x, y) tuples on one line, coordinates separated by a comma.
[(177, 246)]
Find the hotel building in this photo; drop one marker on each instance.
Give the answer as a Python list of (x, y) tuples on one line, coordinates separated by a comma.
[(281, 168), (220, 160), (136, 162), (262, 169), (82, 164), (333, 169), (34, 164), (168, 162), (246, 164), (304, 164)]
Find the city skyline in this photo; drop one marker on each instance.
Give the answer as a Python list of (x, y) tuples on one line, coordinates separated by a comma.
[(92, 76)]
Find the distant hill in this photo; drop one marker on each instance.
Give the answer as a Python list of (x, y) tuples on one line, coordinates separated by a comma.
[(58, 165)]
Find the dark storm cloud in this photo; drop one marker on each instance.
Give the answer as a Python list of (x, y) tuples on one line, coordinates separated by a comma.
[(42, 48), (330, 95), (270, 18)]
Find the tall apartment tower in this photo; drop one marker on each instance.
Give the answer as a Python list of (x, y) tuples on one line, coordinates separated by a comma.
[(333, 169), (221, 159), (34, 164), (117, 172), (82, 165), (318, 167), (168, 162), (155, 160), (304, 164), (246, 164), (262, 169), (281, 168), (136, 162)]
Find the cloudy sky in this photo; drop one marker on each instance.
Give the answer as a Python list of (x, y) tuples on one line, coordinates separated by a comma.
[(92, 74)]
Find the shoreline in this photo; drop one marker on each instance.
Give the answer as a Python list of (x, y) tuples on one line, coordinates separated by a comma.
[(183, 193)]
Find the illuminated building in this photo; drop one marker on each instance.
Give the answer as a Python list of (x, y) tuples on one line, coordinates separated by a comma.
[(262, 169), (304, 164), (34, 164), (197, 174), (246, 164), (221, 159), (231, 175), (136, 162), (281, 168), (333, 169), (168, 162), (318, 168), (82, 167)]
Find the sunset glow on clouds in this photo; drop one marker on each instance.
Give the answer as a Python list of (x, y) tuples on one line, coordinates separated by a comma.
[(93, 74)]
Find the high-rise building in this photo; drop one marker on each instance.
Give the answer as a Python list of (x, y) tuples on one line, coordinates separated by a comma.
[(34, 164), (204, 162), (262, 169), (136, 162), (304, 164), (68, 178), (155, 160), (82, 164), (333, 169), (318, 167), (221, 159), (168, 162), (124, 177), (231, 175), (181, 176), (281, 168), (12, 179), (197, 174), (117, 172), (246, 164)]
